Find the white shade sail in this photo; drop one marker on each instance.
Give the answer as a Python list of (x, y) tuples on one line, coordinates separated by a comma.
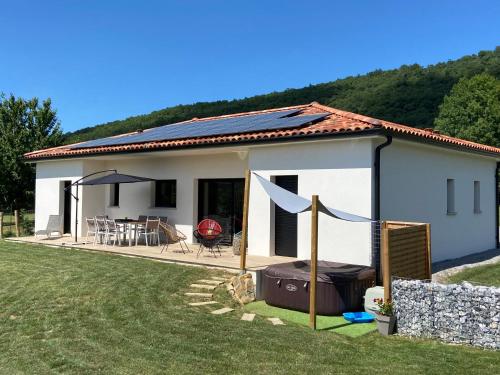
[(294, 203)]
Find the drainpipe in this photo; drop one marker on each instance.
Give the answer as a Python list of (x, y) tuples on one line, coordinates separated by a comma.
[(375, 226), (377, 175), (497, 203)]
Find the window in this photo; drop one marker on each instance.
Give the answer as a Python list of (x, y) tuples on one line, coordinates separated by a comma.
[(477, 197), (166, 193), (114, 195), (450, 196)]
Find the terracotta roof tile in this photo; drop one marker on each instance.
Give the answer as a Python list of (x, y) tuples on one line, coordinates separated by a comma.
[(337, 121)]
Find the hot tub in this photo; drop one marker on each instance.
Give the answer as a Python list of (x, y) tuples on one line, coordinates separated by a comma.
[(340, 287)]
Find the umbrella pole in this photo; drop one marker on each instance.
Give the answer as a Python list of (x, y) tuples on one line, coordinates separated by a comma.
[(314, 262), (76, 214)]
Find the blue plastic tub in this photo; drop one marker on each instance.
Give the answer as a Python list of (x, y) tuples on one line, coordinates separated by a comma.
[(358, 317)]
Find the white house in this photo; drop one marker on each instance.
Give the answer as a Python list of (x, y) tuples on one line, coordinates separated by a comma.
[(357, 164)]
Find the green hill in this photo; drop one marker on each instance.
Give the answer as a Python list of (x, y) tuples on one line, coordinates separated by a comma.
[(409, 95)]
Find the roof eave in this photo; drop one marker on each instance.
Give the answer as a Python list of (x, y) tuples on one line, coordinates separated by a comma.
[(443, 144), (302, 137)]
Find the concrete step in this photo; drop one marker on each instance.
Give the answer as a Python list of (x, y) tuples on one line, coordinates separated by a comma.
[(195, 294), (211, 282), (219, 278), (202, 303), (248, 317), (202, 286), (224, 310), (276, 321)]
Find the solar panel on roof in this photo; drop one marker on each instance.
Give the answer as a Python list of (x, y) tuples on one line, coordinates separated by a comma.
[(204, 128)]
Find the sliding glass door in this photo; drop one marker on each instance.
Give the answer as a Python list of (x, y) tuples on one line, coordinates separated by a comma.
[(222, 200)]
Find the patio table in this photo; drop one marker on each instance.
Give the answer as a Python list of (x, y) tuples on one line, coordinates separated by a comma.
[(131, 225)]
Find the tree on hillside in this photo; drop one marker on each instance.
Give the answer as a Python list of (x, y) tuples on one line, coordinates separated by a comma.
[(25, 125), (409, 95), (472, 110)]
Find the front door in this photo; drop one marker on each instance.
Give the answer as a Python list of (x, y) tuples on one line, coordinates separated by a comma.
[(285, 223), (222, 200), (67, 208)]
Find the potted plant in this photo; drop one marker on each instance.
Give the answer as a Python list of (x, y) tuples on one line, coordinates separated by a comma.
[(385, 316)]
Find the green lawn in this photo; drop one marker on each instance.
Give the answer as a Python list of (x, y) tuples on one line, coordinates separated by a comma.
[(336, 324), (80, 312), (486, 275)]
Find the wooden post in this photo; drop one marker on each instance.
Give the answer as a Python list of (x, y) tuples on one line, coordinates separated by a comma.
[(428, 248), (16, 221), (1, 225), (77, 199), (386, 262), (314, 262), (244, 231)]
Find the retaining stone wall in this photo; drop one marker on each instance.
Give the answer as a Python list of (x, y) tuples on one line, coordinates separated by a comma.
[(456, 313)]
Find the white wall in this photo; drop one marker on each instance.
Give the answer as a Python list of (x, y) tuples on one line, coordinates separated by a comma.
[(340, 173), (136, 199), (413, 188), (49, 189)]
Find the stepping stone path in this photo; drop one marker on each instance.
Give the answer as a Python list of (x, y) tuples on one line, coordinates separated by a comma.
[(202, 303), (203, 286), (190, 294), (276, 321), (248, 317), (211, 284), (222, 311)]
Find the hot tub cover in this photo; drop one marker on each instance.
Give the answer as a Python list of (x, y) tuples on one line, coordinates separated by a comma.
[(328, 272)]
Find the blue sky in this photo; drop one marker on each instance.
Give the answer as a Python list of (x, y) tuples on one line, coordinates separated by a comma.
[(105, 60)]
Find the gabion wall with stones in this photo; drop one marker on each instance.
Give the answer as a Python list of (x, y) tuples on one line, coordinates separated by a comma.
[(456, 313)]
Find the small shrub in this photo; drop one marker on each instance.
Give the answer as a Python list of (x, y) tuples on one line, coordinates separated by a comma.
[(384, 307)]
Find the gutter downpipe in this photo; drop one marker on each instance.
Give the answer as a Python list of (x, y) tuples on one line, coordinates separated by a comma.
[(378, 149), (376, 232), (497, 205)]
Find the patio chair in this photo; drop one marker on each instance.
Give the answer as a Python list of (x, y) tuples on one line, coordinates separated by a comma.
[(53, 226), (113, 230), (151, 229), (173, 235), (139, 228), (163, 236), (209, 234), (91, 229), (101, 233)]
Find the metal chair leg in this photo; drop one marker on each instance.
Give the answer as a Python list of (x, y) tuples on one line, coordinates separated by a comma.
[(164, 248), (182, 247), (199, 251)]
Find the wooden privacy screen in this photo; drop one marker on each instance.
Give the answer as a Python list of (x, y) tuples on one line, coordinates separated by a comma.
[(405, 252)]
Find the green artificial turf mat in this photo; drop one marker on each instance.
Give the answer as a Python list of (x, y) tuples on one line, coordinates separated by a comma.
[(335, 324)]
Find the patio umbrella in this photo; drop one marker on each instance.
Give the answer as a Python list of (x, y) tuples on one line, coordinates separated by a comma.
[(113, 178)]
